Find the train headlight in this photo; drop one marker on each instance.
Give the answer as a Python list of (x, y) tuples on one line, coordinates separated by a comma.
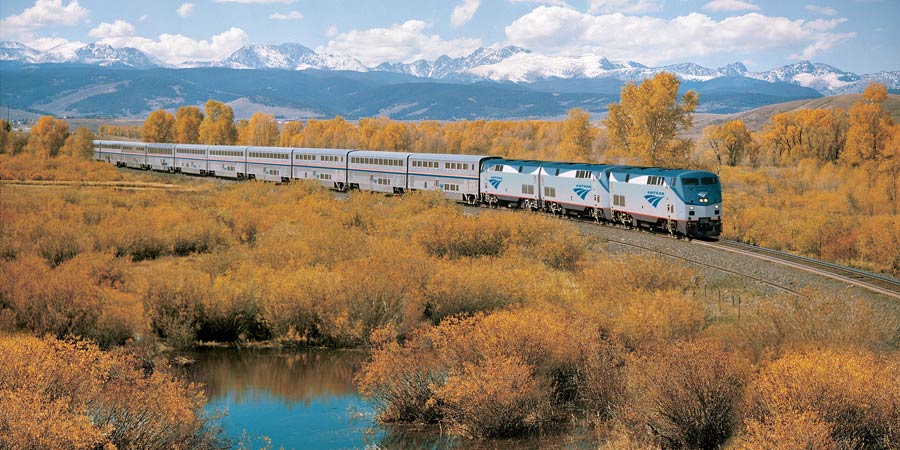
[(717, 206), (692, 208)]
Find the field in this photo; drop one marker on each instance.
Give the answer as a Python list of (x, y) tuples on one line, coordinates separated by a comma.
[(486, 325)]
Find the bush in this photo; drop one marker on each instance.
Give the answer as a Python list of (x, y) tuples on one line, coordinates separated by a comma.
[(788, 431), (498, 397), (70, 395), (853, 393), (684, 396)]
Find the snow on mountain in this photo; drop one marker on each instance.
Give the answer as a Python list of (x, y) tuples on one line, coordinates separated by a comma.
[(98, 54), (16, 51), (446, 66), (287, 56), (528, 67), (821, 77)]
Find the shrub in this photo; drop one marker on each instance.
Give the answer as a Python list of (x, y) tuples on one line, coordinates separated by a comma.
[(70, 395), (497, 397), (853, 392), (684, 396), (788, 431)]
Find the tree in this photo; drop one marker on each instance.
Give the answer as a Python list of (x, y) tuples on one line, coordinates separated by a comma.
[(731, 141), (647, 121), (48, 136), (5, 136), (869, 128), (218, 127), (80, 144), (263, 130), (890, 167), (577, 136), (289, 131), (243, 132), (159, 127), (187, 125)]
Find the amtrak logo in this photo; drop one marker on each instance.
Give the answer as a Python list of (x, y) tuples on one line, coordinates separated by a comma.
[(495, 181), (653, 198), (582, 191)]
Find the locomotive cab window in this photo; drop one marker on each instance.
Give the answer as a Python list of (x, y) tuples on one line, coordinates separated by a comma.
[(690, 181), (707, 181)]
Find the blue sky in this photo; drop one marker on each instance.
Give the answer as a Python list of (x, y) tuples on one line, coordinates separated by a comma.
[(855, 35)]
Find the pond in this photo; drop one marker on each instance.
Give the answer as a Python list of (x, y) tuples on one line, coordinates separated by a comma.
[(306, 399)]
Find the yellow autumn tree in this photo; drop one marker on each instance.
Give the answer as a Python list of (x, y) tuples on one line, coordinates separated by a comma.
[(288, 133), (187, 125), (159, 127), (262, 130), (79, 144), (647, 121), (869, 129), (731, 142), (577, 136), (47, 137), (243, 132), (5, 135), (217, 128)]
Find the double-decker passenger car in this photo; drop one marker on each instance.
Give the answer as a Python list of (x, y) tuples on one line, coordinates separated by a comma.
[(134, 155), (191, 158), (161, 157), (378, 171), (327, 165), (109, 151), (269, 163), (457, 176), (227, 161)]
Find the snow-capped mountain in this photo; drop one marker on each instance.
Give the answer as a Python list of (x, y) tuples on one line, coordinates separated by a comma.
[(99, 54), (446, 66), (287, 56), (821, 77), (18, 52)]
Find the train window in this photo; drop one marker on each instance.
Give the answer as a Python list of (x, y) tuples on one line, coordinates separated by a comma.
[(708, 181), (671, 181), (689, 181), (528, 189), (582, 174), (498, 168), (627, 177), (549, 191), (521, 168), (557, 172)]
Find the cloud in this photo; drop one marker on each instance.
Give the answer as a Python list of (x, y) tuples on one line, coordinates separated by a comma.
[(260, 2), (541, 2), (463, 12), (730, 5), (44, 13), (404, 42), (185, 9), (652, 40), (172, 48), (44, 44), (117, 29), (293, 15), (143, 18), (623, 6), (332, 31), (823, 10)]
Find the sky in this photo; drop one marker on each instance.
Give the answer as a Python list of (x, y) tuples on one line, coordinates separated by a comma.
[(861, 36)]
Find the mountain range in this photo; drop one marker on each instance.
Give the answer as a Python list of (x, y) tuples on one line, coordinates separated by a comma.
[(489, 82)]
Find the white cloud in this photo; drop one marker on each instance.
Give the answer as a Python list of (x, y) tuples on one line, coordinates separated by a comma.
[(332, 31), (463, 12), (652, 40), (293, 15), (44, 13), (143, 18), (404, 42), (185, 9), (261, 2), (823, 10), (624, 6), (172, 48), (730, 5), (44, 44), (541, 2), (117, 29)]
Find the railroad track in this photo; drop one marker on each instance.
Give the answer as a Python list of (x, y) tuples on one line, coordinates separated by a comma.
[(874, 282)]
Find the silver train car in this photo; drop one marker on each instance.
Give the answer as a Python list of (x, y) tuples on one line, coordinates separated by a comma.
[(680, 202)]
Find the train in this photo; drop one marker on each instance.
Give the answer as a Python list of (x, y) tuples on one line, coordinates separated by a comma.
[(681, 202)]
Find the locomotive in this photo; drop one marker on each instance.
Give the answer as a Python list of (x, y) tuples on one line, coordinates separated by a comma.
[(680, 202)]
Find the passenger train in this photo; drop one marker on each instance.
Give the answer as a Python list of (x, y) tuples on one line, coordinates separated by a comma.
[(680, 202)]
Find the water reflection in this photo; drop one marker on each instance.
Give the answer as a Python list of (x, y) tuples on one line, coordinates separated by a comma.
[(306, 399)]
